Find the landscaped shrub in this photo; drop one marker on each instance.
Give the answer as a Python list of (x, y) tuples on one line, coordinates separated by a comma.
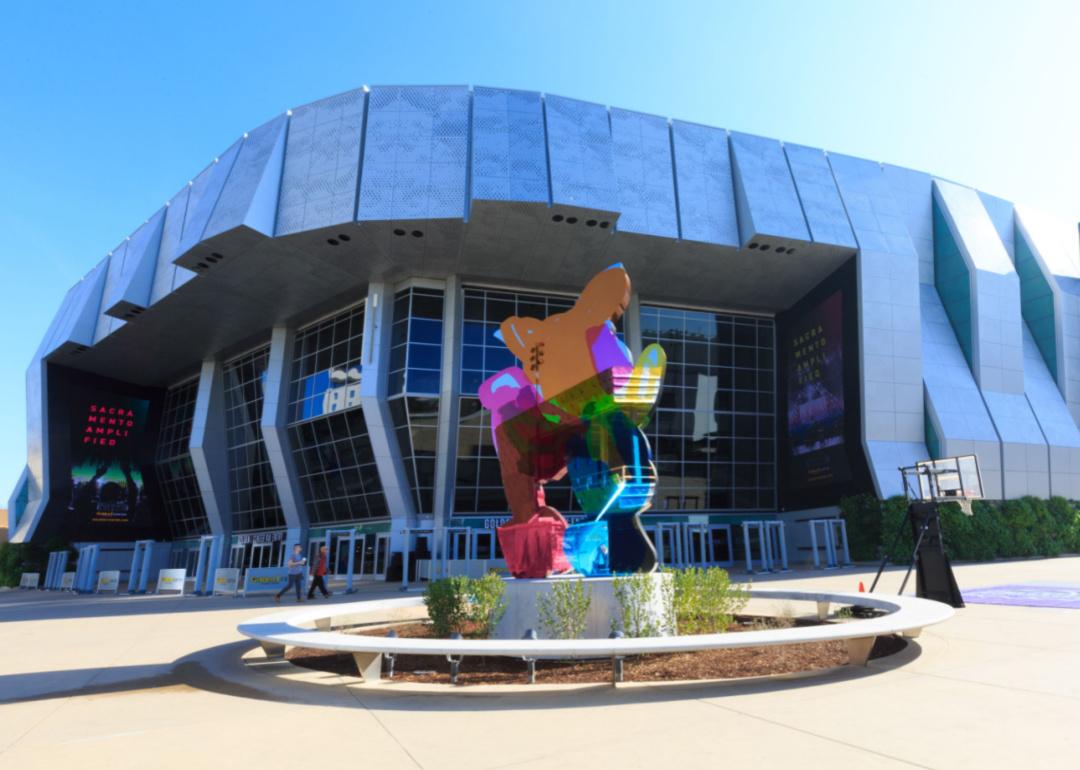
[(564, 610), (704, 601), (17, 558), (465, 605), (486, 603), (447, 602), (635, 596), (1029, 526), (1066, 521)]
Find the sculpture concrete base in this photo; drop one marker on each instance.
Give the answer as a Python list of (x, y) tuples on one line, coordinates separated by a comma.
[(521, 611)]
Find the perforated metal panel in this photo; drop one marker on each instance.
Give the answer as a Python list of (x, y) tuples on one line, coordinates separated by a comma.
[(76, 321), (821, 203), (509, 157), (768, 202), (203, 196), (579, 148), (706, 189), (250, 194), (168, 276), (131, 291), (415, 152), (322, 163), (106, 325), (644, 174)]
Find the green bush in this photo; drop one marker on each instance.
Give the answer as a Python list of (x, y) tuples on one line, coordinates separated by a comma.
[(17, 558), (634, 594), (486, 605), (564, 610), (456, 603), (1029, 526), (447, 602), (704, 601)]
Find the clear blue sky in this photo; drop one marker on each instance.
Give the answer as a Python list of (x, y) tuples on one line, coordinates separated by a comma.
[(108, 108)]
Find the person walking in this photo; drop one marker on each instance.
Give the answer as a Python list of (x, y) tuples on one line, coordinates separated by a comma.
[(296, 573), (318, 573)]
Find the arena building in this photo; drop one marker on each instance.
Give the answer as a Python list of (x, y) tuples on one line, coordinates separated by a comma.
[(290, 349)]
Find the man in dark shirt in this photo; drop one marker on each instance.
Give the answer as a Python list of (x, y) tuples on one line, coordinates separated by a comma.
[(318, 573)]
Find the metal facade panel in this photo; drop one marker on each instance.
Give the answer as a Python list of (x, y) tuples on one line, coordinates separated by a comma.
[(509, 150), (1001, 216), (954, 407), (821, 203), (580, 153), (168, 276), (1046, 400), (275, 433), (763, 180), (705, 183), (948, 380), (106, 325), (205, 190), (132, 289), (322, 163), (250, 194), (953, 282), (644, 174), (1055, 421), (890, 338), (997, 349), (1037, 304), (415, 153), (913, 192), (1053, 246), (77, 318)]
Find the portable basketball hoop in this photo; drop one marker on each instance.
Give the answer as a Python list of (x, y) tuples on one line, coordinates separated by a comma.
[(928, 485)]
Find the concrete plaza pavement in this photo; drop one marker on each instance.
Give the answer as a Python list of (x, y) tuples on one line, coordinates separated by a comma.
[(157, 682)]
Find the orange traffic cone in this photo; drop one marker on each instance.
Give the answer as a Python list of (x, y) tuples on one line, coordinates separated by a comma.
[(862, 588)]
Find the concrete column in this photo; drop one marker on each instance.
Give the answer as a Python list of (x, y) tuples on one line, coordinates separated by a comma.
[(274, 422), (449, 407), (208, 450), (378, 318)]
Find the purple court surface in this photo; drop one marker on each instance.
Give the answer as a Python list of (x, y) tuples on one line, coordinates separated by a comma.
[(1027, 595)]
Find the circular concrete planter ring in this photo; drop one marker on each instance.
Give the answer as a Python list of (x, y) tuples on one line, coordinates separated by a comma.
[(903, 615)]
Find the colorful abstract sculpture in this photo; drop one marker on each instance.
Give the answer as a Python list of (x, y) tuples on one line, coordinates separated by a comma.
[(576, 406)]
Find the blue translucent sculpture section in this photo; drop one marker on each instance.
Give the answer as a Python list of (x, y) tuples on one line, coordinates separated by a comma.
[(586, 548)]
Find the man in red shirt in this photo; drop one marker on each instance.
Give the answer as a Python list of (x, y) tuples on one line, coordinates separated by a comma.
[(318, 573)]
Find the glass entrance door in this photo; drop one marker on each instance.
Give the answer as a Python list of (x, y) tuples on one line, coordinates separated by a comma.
[(236, 557), (313, 553), (670, 545), (720, 544), (698, 551), (337, 562), (382, 554), (261, 555)]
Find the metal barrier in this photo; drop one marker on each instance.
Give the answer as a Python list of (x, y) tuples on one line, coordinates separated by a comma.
[(829, 530), (771, 545)]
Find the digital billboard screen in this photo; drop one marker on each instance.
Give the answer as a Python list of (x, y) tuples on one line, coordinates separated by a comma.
[(108, 450), (814, 357)]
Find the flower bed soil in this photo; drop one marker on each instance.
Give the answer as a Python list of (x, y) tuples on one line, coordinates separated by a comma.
[(729, 663)]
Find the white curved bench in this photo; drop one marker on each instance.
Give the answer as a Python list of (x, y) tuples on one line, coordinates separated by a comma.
[(904, 615)]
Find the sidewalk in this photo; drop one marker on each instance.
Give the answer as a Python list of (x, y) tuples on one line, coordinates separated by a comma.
[(119, 682)]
